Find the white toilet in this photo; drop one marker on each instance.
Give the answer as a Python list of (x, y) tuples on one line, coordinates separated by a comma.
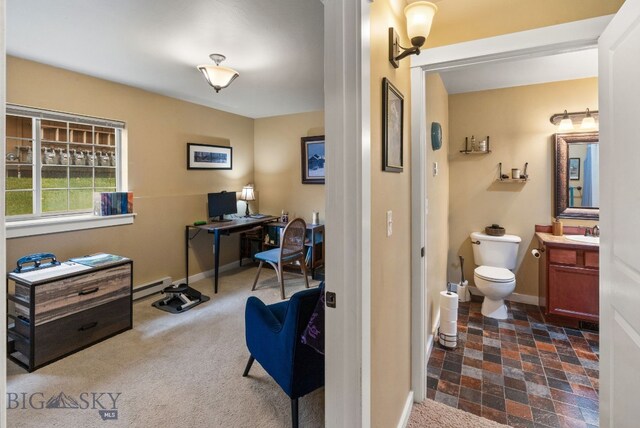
[(495, 256)]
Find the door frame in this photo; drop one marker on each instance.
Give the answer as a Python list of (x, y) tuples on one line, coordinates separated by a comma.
[(555, 39)]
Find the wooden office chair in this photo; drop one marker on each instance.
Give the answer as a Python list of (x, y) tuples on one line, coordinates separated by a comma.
[(291, 250)]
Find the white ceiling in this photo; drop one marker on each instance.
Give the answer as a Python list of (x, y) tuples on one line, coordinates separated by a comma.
[(529, 71), (275, 45)]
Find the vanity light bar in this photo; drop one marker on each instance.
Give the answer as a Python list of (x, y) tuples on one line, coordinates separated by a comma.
[(574, 116)]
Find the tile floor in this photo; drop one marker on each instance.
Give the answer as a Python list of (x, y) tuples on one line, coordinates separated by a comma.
[(520, 371)]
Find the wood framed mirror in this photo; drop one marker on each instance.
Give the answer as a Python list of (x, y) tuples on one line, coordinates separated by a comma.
[(577, 191)]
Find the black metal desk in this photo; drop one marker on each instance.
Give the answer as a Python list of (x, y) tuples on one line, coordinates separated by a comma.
[(218, 229)]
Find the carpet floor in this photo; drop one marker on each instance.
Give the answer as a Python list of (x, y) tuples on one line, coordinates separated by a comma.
[(170, 370), (430, 413)]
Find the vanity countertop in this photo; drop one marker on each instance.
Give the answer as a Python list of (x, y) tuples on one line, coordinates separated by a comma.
[(561, 241)]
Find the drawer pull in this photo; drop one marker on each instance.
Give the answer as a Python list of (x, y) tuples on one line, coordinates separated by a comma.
[(90, 291), (88, 326)]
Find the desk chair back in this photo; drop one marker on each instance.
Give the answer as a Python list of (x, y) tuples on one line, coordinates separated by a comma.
[(291, 250)]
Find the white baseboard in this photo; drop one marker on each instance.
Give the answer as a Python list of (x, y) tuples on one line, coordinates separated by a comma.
[(208, 273), (406, 411), (515, 297), (431, 338)]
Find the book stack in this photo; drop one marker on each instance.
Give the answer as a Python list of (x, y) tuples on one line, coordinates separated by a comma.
[(112, 203)]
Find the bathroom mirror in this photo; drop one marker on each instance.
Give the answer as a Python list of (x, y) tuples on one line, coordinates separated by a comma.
[(577, 175)]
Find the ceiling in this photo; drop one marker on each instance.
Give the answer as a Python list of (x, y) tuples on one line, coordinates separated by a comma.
[(275, 45), (519, 72)]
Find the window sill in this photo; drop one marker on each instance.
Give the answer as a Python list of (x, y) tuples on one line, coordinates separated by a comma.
[(44, 226)]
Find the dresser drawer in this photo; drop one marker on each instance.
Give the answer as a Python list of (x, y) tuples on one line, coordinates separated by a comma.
[(70, 333), (78, 293), (592, 259)]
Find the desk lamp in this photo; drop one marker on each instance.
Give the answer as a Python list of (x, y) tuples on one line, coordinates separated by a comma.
[(247, 195)]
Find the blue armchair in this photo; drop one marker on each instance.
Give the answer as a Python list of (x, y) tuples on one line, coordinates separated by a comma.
[(273, 338)]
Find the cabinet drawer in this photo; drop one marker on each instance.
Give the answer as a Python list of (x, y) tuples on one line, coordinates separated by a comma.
[(592, 259), (78, 293), (68, 334), (575, 292), (562, 256)]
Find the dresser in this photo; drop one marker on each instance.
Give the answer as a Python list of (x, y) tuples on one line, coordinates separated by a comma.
[(52, 317)]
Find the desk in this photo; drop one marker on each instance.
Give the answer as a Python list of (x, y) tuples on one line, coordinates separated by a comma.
[(218, 229)]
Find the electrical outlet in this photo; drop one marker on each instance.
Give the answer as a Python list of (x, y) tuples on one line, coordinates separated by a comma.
[(435, 169), (389, 223)]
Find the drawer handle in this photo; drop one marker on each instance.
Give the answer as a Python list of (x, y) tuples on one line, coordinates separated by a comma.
[(88, 326), (90, 291)]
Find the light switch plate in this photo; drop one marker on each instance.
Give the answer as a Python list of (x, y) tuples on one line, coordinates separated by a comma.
[(435, 169), (389, 223)]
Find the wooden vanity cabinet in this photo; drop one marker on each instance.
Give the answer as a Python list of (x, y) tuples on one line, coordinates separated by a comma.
[(569, 283)]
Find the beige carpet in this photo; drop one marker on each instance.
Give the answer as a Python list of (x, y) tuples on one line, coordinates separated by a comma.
[(430, 413), (171, 370)]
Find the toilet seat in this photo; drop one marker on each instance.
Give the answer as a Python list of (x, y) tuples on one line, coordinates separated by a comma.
[(494, 274)]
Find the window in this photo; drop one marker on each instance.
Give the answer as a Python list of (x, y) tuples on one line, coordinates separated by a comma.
[(56, 161)]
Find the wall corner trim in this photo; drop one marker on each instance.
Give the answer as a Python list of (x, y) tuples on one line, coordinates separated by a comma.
[(406, 411)]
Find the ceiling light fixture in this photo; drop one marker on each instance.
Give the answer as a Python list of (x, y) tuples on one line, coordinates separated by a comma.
[(419, 16), (565, 121), (218, 77)]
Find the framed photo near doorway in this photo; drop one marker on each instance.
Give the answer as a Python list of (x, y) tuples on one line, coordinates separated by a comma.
[(392, 127), (206, 156), (312, 149)]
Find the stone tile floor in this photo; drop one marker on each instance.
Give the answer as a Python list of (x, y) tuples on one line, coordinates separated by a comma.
[(519, 371)]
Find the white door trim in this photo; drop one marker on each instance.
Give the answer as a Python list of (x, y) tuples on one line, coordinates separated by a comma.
[(3, 240), (418, 235), (539, 42), (348, 206)]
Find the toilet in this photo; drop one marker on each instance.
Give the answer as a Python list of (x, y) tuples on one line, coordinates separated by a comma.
[(495, 257)]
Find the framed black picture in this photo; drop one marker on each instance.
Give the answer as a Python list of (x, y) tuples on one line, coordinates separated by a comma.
[(574, 168), (392, 127), (312, 149), (205, 156)]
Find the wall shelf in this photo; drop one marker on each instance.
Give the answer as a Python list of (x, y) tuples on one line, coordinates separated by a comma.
[(512, 180), (475, 152)]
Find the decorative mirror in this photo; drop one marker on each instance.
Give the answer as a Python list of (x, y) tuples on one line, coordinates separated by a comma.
[(577, 175)]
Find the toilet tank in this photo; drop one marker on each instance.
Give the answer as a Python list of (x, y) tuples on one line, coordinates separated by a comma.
[(496, 251)]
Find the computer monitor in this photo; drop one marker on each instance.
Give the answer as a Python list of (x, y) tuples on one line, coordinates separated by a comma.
[(220, 204)]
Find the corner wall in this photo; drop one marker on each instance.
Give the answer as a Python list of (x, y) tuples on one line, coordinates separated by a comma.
[(437, 105), (517, 120), (277, 167), (390, 256)]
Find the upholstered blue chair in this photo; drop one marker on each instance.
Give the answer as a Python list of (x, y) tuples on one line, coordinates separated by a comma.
[(273, 335)]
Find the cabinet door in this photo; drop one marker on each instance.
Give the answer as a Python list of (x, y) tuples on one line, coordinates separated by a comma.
[(573, 292)]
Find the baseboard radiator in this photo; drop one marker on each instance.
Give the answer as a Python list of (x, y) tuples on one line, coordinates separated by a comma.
[(150, 288)]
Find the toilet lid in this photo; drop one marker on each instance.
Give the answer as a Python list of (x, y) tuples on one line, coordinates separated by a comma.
[(494, 274)]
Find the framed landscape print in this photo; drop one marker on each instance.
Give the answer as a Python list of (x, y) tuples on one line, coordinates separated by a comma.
[(392, 123), (205, 156), (312, 149), (574, 168)]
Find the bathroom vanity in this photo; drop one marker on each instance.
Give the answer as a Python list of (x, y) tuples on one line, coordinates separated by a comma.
[(568, 278)]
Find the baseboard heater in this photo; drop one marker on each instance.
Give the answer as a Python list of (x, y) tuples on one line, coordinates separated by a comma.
[(150, 288)]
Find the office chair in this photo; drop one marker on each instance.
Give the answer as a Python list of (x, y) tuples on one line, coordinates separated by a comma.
[(291, 250)]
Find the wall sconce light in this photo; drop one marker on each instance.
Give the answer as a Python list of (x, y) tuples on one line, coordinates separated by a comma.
[(218, 77), (247, 195), (419, 16), (565, 121)]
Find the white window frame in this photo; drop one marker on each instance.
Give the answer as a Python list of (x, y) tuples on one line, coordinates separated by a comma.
[(39, 223)]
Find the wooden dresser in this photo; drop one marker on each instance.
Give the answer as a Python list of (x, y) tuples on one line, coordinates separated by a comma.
[(53, 317), (569, 287)]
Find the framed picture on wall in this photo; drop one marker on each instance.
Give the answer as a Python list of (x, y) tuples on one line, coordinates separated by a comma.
[(574, 168), (205, 156), (392, 124), (312, 149)]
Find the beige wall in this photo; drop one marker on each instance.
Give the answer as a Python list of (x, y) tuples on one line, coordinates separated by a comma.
[(167, 195), (463, 20), (517, 120), (277, 167), (390, 256), (438, 195)]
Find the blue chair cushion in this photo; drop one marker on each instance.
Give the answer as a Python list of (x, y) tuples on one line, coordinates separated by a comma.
[(269, 255)]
